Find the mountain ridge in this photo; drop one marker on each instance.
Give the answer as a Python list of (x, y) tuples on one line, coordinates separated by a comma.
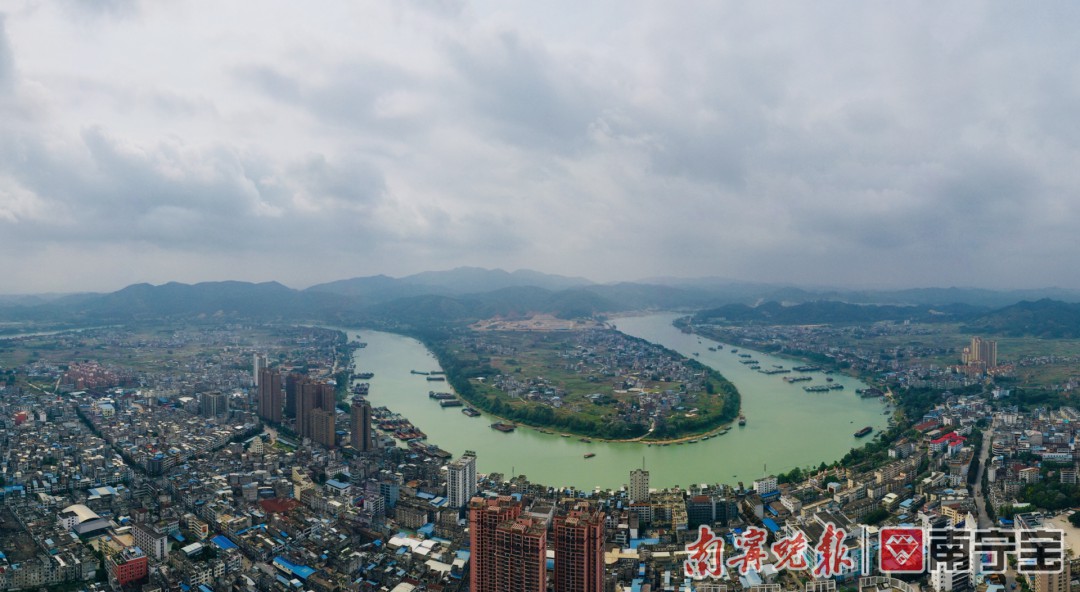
[(466, 294)]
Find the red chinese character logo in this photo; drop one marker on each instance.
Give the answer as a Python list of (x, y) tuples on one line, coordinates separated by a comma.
[(791, 551), (832, 553), (752, 544), (706, 555), (901, 550)]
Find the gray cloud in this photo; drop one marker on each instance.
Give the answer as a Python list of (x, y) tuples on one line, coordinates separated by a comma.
[(826, 143), (524, 93), (7, 62)]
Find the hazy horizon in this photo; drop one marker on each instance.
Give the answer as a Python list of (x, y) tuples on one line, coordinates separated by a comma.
[(657, 280), (828, 144)]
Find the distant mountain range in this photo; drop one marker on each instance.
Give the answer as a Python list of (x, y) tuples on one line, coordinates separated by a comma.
[(455, 282), (471, 293), (832, 312)]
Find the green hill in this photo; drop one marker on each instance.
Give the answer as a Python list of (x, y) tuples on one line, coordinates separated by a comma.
[(1047, 319)]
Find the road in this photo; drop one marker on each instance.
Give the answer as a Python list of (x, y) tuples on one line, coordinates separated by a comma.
[(977, 493), (980, 500)]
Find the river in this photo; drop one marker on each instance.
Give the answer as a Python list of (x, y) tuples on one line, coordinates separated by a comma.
[(56, 332), (786, 426)]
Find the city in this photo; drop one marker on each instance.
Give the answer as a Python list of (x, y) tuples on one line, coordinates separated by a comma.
[(247, 471)]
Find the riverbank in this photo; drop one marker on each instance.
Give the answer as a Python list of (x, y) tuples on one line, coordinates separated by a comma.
[(816, 360), (719, 430)]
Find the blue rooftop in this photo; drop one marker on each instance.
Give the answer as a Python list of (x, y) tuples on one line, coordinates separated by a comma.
[(223, 542), (300, 571), (635, 543)]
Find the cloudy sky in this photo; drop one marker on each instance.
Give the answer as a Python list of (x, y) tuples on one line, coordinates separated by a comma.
[(829, 143)]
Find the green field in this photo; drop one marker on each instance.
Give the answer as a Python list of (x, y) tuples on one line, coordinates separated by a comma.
[(139, 349)]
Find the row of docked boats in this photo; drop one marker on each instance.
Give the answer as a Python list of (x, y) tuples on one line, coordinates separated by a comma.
[(821, 388)]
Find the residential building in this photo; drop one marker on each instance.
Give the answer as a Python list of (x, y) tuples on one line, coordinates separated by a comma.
[(981, 353), (292, 393), (639, 485), (313, 395), (461, 479), (485, 516), (578, 539), (128, 566), (257, 366), (765, 485), (152, 540), (270, 396), (361, 437), (213, 404), (322, 427), (520, 553), (1053, 582)]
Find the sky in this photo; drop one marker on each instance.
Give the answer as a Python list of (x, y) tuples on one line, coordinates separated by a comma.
[(853, 144)]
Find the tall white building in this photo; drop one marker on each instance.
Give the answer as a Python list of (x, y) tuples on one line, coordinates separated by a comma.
[(639, 485), (461, 479), (257, 364)]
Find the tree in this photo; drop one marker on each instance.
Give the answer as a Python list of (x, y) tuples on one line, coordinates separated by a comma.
[(876, 516)]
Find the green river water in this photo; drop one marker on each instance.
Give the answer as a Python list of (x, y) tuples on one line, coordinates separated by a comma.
[(786, 426)]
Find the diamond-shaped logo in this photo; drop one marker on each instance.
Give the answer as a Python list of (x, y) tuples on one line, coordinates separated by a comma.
[(901, 550)]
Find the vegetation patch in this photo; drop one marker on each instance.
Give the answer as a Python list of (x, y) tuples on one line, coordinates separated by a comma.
[(594, 382)]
